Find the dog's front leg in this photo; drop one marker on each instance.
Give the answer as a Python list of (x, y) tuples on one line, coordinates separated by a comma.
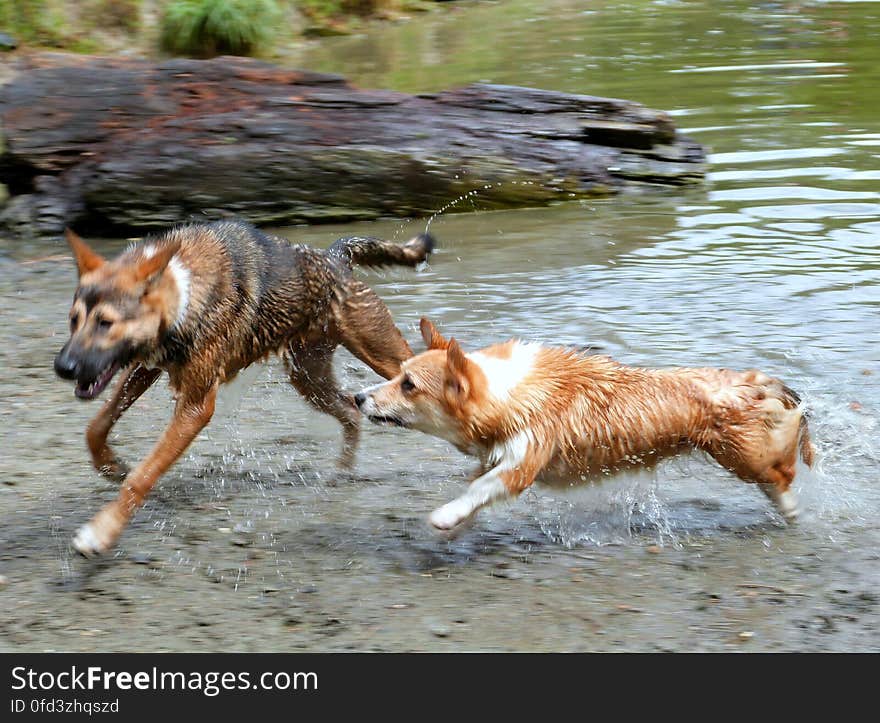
[(498, 483), (519, 459), (130, 387), (190, 417)]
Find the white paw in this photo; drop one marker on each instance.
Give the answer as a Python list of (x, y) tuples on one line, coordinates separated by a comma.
[(788, 506), (87, 543), (450, 516)]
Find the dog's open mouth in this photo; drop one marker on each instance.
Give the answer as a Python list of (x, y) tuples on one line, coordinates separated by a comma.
[(383, 419), (91, 389)]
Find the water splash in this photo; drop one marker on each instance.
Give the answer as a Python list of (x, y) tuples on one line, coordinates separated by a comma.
[(471, 196)]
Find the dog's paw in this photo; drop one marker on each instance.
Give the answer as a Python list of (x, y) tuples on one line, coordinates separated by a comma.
[(450, 519), (788, 506), (87, 542), (785, 501), (443, 518), (105, 461), (99, 535), (114, 471)]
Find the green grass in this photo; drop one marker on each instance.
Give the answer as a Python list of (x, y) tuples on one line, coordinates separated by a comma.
[(63, 24), (40, 22), (206, 28), (200, 28)]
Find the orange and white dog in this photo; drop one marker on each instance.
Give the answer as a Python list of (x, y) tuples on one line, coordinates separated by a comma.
[(529, 411)]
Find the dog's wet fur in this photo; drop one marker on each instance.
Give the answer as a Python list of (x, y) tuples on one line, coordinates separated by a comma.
[(560, 415), (202, 302)]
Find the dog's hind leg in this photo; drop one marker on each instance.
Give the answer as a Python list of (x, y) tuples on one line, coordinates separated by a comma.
[(191, 413), (756, 434), (129, 388), (777, 487), (311, 373), (367, 330), (773, 476)]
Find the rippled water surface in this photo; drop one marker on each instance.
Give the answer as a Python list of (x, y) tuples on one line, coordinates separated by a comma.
[(772, 263)]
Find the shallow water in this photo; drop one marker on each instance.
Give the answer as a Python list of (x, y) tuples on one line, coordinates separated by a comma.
[(253, 541)]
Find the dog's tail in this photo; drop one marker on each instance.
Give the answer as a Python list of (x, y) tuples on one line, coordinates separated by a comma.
[(807, 448), (369, 251)]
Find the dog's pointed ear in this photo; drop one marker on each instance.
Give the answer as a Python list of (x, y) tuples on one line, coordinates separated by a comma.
[(433, 338), (86, 259), (150, 268), (458, 380)]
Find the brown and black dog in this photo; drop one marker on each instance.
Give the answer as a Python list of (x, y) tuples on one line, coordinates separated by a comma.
[(202, 302), (560, 415)]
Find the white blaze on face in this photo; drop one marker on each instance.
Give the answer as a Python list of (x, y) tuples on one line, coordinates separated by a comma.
[(504, 375), (181, 276), (369, 405)]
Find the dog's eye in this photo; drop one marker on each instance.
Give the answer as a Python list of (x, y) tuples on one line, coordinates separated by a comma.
[(74, 322), (407, 385), (104, 324)]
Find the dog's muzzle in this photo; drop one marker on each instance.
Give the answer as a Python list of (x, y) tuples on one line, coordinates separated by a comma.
[(364, 403), (92, 372)]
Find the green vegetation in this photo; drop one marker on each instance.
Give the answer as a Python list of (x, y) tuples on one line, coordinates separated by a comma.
[(200, 28), (41, 22), (205, 28), (68, 25)]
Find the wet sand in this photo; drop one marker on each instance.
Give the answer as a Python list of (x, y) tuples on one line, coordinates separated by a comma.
[(287, 566)]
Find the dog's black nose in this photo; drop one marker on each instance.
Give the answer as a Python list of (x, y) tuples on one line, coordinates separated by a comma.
[(65, 367), (359, 399)]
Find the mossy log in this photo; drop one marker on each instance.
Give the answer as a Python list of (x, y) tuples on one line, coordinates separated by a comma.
[(119, 145)]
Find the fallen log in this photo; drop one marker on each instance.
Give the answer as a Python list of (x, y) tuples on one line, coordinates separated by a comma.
[(121, 145)]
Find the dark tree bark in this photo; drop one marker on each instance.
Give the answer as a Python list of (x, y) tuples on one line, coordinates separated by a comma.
[(127, 145)]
